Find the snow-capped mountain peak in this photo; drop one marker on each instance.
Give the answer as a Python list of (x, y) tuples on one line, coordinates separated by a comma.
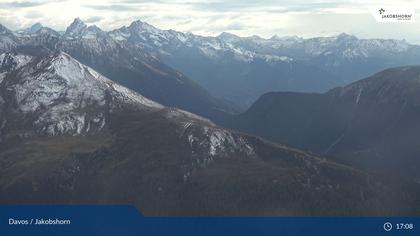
[(143, 27), (4, 30), (66, 96), (346, 37), (34, 28), (275, 37), (228, 37), (76, 28)]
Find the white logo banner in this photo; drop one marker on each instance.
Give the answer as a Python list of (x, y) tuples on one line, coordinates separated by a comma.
[(394, 14)]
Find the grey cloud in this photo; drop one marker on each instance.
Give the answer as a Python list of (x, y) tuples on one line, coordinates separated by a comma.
[(236, 26), (172, 18), (113, 7), (10, 23), (93, 19), (229, 27), (233, 5), (26, 4), (217, 28), (266, 6), (34, 14), (140, 1), (310, 7), (20, 4)]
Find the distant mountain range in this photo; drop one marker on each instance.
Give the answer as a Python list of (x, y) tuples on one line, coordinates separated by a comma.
[(241, 69), (371, 123), (236, 70), (70, 135)]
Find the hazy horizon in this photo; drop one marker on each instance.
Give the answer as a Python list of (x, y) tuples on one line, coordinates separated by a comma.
[(266, 38), (265, 18)]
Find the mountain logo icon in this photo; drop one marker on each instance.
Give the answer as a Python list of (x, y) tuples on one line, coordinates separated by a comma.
[(381, 11)]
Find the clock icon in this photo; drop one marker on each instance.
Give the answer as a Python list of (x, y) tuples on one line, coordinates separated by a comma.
[(387, 226)]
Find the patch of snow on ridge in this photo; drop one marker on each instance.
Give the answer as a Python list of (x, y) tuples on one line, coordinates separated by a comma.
[(173, 113), (217, 140), (213, 141), (129, 95), (274, 58), (2, 75), (118, 37), (208, 144), (358, 95), (10, 61), (222, 142)]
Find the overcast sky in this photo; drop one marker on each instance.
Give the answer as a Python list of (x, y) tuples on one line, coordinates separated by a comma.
[(306, 18)]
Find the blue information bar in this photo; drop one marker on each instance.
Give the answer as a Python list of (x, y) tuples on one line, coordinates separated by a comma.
[(126, 220)]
